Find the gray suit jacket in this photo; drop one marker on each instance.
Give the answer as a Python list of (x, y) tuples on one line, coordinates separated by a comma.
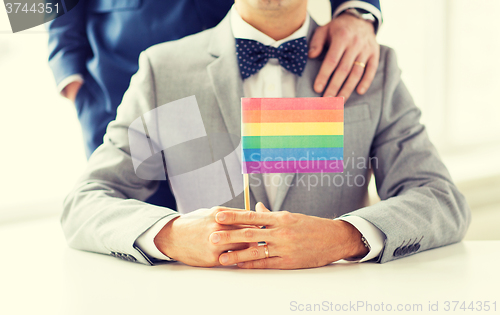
[(420, 205)]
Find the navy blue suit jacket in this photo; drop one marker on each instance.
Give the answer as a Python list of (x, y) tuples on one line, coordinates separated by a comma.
[(102, 40)]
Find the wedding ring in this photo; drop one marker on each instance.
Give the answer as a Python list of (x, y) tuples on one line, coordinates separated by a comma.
[(266, 250), (357, 63)]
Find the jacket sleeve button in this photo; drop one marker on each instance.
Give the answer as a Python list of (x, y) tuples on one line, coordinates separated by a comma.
[(397, 252)]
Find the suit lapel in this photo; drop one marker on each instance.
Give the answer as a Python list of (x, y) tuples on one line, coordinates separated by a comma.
[(228, 88), (225, 76), (305, 82), (304, 89)]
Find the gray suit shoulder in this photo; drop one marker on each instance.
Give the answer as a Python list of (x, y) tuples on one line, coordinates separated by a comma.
[(388, 61), (188, 51)]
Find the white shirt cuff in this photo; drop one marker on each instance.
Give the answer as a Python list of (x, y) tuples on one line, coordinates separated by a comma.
[(146, 242), (372, 234), (72, 78), (359, 5)]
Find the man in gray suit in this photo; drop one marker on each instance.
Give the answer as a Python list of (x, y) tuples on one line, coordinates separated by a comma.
[(420, 209)]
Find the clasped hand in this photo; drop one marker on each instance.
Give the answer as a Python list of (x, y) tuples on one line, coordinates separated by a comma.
[(224, 236)]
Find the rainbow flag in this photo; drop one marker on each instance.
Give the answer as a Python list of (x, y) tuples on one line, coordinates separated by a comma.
[(292, 135)]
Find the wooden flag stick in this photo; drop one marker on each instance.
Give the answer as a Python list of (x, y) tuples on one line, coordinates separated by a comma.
[(246, 193)]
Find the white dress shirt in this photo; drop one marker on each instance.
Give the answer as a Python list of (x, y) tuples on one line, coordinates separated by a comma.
[(271, 81)]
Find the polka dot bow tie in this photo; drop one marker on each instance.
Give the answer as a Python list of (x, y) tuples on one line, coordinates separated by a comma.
[(252, 55)]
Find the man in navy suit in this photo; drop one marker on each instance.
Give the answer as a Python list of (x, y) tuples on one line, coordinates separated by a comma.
[(94, 50)]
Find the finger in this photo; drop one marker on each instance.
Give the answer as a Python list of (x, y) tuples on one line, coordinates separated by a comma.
[(219, 209), (249, 254), (244, 217), (236, 247), (329, 64), (371, 69), (352, 81), (236, 227), (259, 207), (239, 236), (318, 41), (341, 73), (267, 263)]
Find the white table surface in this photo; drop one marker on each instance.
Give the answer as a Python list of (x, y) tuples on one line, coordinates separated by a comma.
[(41, 275)]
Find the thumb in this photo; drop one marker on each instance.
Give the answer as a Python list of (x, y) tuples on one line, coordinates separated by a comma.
[(318, 41), (259, 207)]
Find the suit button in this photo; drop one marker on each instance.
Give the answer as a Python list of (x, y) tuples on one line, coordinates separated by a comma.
[(132, 258), (397, 252), (404, 250), (112, 254), (417, 247), (411, 249)]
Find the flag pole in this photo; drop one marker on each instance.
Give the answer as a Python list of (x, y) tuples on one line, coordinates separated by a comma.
[(246, 193)]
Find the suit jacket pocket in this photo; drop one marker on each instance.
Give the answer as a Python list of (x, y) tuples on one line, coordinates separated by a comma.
[(103, 6), (356, 113)]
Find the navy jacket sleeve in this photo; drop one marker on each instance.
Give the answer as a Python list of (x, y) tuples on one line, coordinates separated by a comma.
[(372, 6), (337, 3), (68, 44)]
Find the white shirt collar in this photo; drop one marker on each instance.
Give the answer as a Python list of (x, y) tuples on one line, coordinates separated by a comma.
[(242, 29)]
